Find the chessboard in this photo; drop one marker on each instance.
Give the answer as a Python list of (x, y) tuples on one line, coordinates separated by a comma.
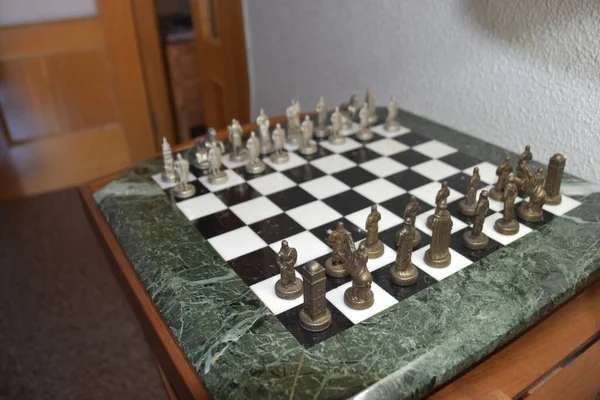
[(246, 218)]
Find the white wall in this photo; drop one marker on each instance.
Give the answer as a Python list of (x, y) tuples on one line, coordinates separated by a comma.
[(16, 12), (508, 71)]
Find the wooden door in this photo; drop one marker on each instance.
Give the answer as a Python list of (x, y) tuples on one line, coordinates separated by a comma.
[(73, 103), (219, 26)]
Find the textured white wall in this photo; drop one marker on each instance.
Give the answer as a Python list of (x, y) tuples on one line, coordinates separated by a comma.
[(15, 12), (510, 72)]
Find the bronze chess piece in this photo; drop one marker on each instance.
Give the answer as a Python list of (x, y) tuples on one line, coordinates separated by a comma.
[(474, 238), (288, 286), (403, 272), (410, 212), (315, 316), (438, 255), (524, 160), (467, 205), (335, 264), (359, 296), (502, 171), (442, 194), (372, 243), (508, 224), (554, 175), (531, 210)]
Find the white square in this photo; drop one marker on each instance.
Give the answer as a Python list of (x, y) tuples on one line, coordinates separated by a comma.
[(387, 147), (434, 149), (237, 243), (382, 301), (313, 214), (271, 183), (388, 257), (567, 204), (428, 192), (324, 186), (383, 166), (201, 206), (487, 172), (233, 179), (265, 290), (379, 190), (255, 210), (294, 161), (307, 245), (457, 263), (388, 219), (166, 185), (380, 130), (488, 229), (435, 169), (333, 163), (232, 164), (349, 144), (421, 223), (354, 127), (495, 205)]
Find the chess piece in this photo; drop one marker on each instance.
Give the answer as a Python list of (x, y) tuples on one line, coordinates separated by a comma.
[(403, 272), (556, 166), (359, 296), (335, 264), (254, 165), (442, 195), (168, 174), (335, 136), (467, 205), (182, 188), (315, 316), (266, 145), (370, 100), (364, 134), (372, 243), (531, 210), (474, 238), (279, 155), (502, 171), (216, 176), (321, 131), (438, 255), (289, 286), (348, 111), (508, 224), (391, 120), (525, 156), (238, 153), (203, 147), (293, 123), (308, 147), (410, 212)]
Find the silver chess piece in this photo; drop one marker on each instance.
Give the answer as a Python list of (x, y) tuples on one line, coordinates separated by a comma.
[(203, 147), (308, 146), (372, 106), (335, 137), (266, 145), (254, 165), (349, 111), (238, 153), (293, 122), (279, 155), (168, 174), (182, 188), (321, 131), (364, 134), (216, 175), (391, 120)]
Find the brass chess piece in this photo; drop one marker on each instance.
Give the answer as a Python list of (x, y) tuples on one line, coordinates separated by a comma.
[(372, 243), (442, 195), (508, 224), (438, 255), (554, 175), (474, 238), (359, 296), (502, 171), (467, 205), (524, 159), (403, 272), (335, 264), (288, 286), (531, 210), (315, 316), (410, 212)]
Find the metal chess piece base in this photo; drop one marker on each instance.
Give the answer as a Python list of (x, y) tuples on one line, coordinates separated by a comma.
[(217, 178), (375, 250), (438, 262), (553, 201), (475, 242), (240, 156), (336, 139), (255, 168), (335, 270), (321, 133), (417, 239), (496, 195), (280, 158), (167, 178), (393, 126), (506, 228), (292, 291), (529, 214), (466, 209), (315, 325), (364, 135), (405, 278), (356, 302), (184, 191), (309, 149)]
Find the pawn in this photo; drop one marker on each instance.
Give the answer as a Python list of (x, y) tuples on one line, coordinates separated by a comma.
[(474, 238), (364, 134), (403, 272), (308, 147), (182, 188), (254, 165), (289, 286), (336, 128), (279, 155)]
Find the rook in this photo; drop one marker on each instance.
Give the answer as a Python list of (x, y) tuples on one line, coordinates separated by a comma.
[(554, 175), (168, 174), (315, 316)]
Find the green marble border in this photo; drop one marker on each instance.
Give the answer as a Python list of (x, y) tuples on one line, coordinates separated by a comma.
[(240, 350)]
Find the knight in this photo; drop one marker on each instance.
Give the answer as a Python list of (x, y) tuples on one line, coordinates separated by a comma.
[(359, 296)]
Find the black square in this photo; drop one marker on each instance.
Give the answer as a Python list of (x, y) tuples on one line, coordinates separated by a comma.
[(410, 157), (412, 139), (237, 194), (323, 231), (218, 223), (460, 160), (460, 182), (456, 243), (276, 228), (398, 204), (198, 172), (453, 210), (546, 217), (321, 152), (347, 202), (291, 320), (355, 176), (256, 266), (200, 190), (361, 155), (389, 237), (303, 173), (241, 171), (408, 180), (291, 198), (382, 277), (331, 283)]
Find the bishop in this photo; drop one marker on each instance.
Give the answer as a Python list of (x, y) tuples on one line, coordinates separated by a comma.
[(466, 206), (438, 255), (289, 286), (442, 195)]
